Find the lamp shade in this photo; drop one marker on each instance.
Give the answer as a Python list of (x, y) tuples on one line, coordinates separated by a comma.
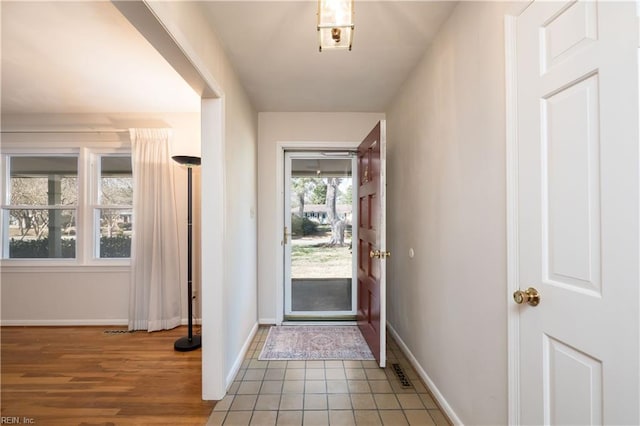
[(335, 24), (187, 160)]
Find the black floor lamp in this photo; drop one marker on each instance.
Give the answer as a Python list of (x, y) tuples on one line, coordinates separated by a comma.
[(190, 342)]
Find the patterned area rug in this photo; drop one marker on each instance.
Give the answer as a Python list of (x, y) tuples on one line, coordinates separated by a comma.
[(315, 343)]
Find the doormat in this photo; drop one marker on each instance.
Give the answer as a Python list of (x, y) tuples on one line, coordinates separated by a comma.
[(315, 343)]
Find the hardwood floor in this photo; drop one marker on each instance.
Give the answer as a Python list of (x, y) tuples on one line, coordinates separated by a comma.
[(82, 376)]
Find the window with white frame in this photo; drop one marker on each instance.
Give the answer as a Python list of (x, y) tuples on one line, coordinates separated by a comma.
[(114, 212), (40, 218), (68, 206)]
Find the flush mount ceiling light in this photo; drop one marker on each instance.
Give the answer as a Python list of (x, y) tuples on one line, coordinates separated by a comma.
[(335, 24)]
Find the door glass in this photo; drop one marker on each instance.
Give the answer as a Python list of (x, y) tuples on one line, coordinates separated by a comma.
[(321, 214)]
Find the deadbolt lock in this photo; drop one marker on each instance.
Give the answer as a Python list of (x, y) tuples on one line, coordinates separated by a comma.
[(530, 296)]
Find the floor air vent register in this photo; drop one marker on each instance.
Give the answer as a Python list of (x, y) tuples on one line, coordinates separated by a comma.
[(404, 380)]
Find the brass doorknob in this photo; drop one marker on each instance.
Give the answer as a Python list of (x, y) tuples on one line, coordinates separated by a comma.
[(379, 254), (530, 296)]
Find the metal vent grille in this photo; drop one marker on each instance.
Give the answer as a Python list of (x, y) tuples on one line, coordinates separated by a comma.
[(117, 331), (404, 380)]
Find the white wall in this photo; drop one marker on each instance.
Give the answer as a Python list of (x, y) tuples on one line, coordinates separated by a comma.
[(232, 291), (446, 200), (52, 295), (291, 127)]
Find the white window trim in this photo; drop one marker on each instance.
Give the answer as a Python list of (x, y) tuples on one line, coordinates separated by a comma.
[(87, 193)]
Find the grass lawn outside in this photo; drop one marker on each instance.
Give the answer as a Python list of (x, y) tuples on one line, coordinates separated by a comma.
[(312, 257)]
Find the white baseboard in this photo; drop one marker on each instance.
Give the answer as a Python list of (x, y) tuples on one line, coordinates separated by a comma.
[(78, 322), (442, 402), (243, 352), (63, 323), (314, 323), (267, 321)]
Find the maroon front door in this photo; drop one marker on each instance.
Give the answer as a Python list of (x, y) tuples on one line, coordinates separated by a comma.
[(371, 241)]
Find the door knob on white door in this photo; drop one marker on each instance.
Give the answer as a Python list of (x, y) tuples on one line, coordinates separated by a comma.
[(530, 296)]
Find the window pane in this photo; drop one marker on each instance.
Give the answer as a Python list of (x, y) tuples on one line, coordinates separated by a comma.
[(42, 233), (116, 181), (115, 233), (43, 181)]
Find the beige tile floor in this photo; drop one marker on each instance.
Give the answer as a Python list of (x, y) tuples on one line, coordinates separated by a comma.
[(325, 393)]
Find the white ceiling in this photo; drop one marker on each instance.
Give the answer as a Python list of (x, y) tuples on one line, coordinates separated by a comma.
[(85, 57), (274, 48)]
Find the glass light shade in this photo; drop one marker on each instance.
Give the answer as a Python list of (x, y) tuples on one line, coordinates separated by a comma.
[(335, 24)]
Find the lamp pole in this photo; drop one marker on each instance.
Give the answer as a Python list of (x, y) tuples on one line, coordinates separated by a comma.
[(190, 342)]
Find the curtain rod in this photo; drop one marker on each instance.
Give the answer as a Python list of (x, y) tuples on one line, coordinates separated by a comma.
[(67, 131)]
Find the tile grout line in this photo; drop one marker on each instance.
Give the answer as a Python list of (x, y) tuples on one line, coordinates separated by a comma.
[(380, 409)]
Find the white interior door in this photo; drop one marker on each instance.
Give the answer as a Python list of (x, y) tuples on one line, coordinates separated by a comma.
[(578, 233)]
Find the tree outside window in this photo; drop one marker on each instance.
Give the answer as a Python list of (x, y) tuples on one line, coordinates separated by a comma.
[(115, 212), (45, 215), (42, 211)]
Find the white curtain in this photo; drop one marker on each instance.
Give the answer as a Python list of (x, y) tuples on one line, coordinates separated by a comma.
[(154, 302)]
